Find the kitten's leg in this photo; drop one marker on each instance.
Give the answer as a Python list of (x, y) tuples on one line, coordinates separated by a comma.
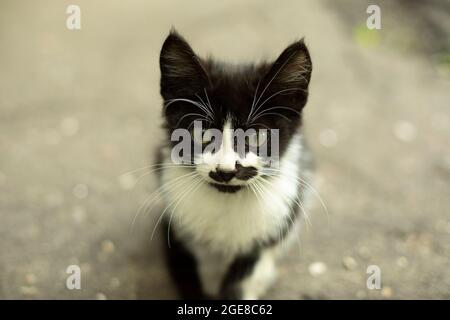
[(250, 275), (211, 268), (182, 267), (262, 277)]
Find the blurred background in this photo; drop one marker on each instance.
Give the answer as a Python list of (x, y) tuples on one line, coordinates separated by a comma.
[(80, 110)]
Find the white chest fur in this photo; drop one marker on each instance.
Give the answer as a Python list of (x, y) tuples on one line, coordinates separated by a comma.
[(231, 222)]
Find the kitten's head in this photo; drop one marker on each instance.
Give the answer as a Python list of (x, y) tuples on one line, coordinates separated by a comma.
[(264, 101)]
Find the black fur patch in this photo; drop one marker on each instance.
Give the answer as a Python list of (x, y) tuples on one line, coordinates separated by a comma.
[(277, 91), (245, 173), (183, 268), (226, 187), (241, 267), (269, 95), (240, 172)]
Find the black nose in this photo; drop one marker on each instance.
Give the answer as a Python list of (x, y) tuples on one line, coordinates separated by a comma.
[(222, 176)]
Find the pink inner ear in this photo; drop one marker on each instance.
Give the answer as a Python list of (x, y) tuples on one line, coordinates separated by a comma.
[(292, 68), (296, 71)]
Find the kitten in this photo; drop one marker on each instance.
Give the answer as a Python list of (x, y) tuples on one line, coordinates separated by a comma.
[(229, 214)]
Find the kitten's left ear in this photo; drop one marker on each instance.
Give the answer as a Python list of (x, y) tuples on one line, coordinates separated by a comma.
[(291, 72), (182, 72)]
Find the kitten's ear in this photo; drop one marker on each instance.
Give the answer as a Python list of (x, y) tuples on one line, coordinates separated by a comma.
[(291, 72), (182, 72)]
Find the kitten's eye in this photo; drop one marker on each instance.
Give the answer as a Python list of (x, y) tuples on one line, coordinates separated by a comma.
[(202, 138), (262, 137), (197, 136), (252, 140), (257, 139), (207, 136)]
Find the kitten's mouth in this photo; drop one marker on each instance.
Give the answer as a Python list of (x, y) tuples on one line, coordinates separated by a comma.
[(228, 188)]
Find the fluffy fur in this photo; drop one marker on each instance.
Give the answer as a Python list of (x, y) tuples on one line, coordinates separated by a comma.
[(228, 214)]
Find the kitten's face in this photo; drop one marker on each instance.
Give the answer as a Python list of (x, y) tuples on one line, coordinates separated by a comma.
[(264, 101)]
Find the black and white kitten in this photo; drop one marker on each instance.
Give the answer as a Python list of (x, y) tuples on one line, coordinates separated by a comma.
[(228, 214)]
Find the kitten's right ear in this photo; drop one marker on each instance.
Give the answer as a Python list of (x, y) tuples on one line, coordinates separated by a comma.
[(182, 72), (289, 76)]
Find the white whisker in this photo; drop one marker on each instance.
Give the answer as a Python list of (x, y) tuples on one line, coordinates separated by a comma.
[(253, 102), (303, 182), (289, 216), (194, 103), (170, 204), (262, 113), (276, 73), (146, 167), (275, 94), (155, 195), (192, 190)]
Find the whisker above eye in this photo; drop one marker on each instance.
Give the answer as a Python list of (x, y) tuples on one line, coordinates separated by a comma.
[(191, 114), (262, 113), (277, 114), (251, 116), (253, 102), (274, 76), (207, 112)]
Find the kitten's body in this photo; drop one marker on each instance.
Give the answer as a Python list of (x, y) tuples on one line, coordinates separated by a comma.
[(230, 232), (221, 228)]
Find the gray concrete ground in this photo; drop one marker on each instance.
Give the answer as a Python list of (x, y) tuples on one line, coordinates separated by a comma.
[(79, 108)]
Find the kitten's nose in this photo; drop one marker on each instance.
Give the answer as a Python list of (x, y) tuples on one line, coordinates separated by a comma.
[(222, 176)]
